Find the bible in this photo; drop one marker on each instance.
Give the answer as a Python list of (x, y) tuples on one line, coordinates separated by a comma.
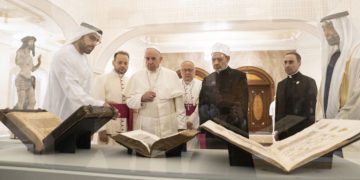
[(150, 145), (307, 145), (43, 131)]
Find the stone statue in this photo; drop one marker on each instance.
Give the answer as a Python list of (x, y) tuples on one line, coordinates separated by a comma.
[(25, 82)]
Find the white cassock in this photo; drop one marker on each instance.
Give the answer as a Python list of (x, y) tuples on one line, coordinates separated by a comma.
[(70, 81), (110, 87), (191, 101), (165, 114)]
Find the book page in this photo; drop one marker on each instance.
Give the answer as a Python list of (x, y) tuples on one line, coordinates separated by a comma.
[(317, 140), (172, 141), (35, 125), (139, 140), (249, 145), (147, 138)]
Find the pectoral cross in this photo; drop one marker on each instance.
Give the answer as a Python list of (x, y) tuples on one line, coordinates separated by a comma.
[(187, 107)]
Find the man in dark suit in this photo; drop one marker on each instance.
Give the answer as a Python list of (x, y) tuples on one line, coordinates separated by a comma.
[(224, 97), (295, 95)]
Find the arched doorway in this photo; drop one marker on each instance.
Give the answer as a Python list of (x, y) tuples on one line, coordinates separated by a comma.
[(200, 74), (261, 93)]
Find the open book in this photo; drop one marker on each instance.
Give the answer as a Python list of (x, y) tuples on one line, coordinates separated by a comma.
[(313, 142), (150, 145), (43, 131)]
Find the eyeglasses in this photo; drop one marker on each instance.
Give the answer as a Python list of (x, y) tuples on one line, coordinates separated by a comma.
[(187, 70)]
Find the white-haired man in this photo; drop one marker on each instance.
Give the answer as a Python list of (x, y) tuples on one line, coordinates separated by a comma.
[(156, 95), (340, 88), (70, 74), (192, 87)]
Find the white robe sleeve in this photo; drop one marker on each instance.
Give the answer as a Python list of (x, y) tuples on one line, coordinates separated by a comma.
[(350, 110), (132, 93), (134, 101), (98, 92), (180, 112), (70, 84), (98, 89)]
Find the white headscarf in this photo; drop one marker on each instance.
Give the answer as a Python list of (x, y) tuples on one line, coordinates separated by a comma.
[(348, 41), (84, 29)]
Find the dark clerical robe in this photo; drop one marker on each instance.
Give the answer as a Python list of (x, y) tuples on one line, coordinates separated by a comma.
[(296, 95), (224, 96)]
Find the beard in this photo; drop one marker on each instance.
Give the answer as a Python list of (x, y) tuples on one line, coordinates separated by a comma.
[(333, 40), (217, 67), (121, 71), (86, 49)]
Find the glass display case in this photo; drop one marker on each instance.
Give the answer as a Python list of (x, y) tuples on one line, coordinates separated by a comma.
[(257, 37)]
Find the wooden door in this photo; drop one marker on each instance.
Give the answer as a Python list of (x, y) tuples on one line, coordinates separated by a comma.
[(261, 91), (259, 102)]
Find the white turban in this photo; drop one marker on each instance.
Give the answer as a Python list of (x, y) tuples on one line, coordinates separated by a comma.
[(222, 48), (84, 29)]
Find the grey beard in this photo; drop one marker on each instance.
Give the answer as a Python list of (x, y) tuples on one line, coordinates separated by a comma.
[(335, 40)]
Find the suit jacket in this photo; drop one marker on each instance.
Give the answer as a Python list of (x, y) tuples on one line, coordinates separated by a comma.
[(225, 96), (296, 95)]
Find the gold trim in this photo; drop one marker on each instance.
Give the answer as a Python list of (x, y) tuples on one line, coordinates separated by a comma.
[(344, 87)]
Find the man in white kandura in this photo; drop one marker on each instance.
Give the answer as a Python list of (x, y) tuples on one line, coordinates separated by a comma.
[(192, 87), (340, 87), (156, 95), (110, 88), (70, 74)]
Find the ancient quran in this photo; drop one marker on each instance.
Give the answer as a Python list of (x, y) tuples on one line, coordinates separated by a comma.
[(150, 145), (43, 131), (293, 152)]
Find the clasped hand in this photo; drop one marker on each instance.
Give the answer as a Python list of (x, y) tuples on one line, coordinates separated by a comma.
[(148, 96)]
